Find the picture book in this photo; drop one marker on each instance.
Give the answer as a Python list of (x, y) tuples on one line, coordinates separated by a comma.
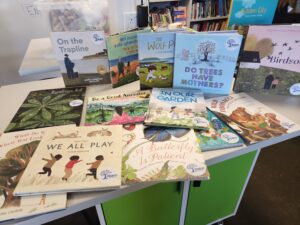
[(16, 150), (156, 56), (161, 154), (82, 57), (177, 108), (218, 136), (271, 62), (123, 57), (251, 12), (117, 109), (206, 61), (76, 159), (46, 108), (251, 119)]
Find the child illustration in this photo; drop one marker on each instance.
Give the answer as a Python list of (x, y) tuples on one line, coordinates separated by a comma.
[(121, 117), (50, 162), (68, 168), (94, 166), (275, 82), (174, 112), (43, 200), (151, 70)]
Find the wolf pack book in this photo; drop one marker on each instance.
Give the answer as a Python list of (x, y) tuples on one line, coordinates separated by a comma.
[(251, 119), (77, 159), (218, 136), (177, 108), (16, 152), (206, 61), (123, 57), (161, 154), (156, 56), (82, 57), (124, 108), (271, 62), (47, 108), (251, 12)]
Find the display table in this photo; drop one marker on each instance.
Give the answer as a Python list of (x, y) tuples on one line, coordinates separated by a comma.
[(227, 160)]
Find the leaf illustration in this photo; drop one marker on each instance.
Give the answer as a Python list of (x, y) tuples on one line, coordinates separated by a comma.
[(58, 97), (27, 123), (30, 115), (30, 111), (59, 107), (28, 105), (62, 102), (46, 114), (34, 101), (68, 116), (46, 99), (10, 127), (62, 122)]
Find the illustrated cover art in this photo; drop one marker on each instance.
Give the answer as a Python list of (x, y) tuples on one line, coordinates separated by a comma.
[(117, 109), (16, 150), (251, 119), (123, 57), (206, 61), (82, 57), (277, 69), (72, 159), (156, 56), (177, 108), (47, 108), (218, 136), (161, 154), (251, 12)]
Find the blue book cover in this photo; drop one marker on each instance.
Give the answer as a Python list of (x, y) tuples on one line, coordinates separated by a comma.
[(252, 12), (156, 57), (218, 136), (206, 61)]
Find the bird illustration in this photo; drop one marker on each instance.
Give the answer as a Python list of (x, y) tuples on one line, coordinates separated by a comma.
[(289, 49), (269, 57), (285, 44), (274, 44), (280, 53), (297, 41)]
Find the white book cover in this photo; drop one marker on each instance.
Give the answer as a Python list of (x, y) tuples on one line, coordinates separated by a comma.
[(74, 159), (16, 152)]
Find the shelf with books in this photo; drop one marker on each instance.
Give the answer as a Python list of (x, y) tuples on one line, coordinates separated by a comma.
[(209, 18)]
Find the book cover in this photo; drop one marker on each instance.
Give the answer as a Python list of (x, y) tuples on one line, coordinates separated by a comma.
[(156, 56), (16, 151), (177, 108), (124, 108), (251, 119), (206, 61), (161, 154), (123, 57), (82, 57), (271, 62), (251, 12), (218, 136), (47, 108), (80, 159)]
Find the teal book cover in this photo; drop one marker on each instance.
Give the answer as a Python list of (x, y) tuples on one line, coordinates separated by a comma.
[(218, 136), (156, 56), (206, 61), (251, 12)]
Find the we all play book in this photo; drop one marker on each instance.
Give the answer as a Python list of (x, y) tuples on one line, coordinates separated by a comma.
[(47, 108), (156, 56), (161, 154), (270, 62), (16, 150), (123, 57), (126, 108), (218, 136), (82, 57), (251, 119), (177, 108), (206, 61), (73, 159)]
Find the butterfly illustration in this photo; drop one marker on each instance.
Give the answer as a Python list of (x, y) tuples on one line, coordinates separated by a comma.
[(161, 134), (274, 44), (285, 44)]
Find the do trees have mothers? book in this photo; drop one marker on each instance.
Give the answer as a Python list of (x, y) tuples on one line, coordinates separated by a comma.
[(16, 151), (77, 159), (206, 61)]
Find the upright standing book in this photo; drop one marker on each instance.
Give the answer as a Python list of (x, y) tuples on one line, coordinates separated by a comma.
[(16, 151), (251, 119), (270, 62), (47, 108), (124, 108), (206, 61), (177, 108), (82, 57), (161, 154), (77, 159)]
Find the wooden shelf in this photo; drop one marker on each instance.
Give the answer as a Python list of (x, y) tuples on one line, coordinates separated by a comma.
[(208, 18)]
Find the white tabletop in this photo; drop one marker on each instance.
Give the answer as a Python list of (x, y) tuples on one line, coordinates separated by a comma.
[(12, 96)]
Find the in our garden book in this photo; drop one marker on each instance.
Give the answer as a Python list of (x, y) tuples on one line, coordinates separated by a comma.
[(126, 108), (73, 159), (161, 154)]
